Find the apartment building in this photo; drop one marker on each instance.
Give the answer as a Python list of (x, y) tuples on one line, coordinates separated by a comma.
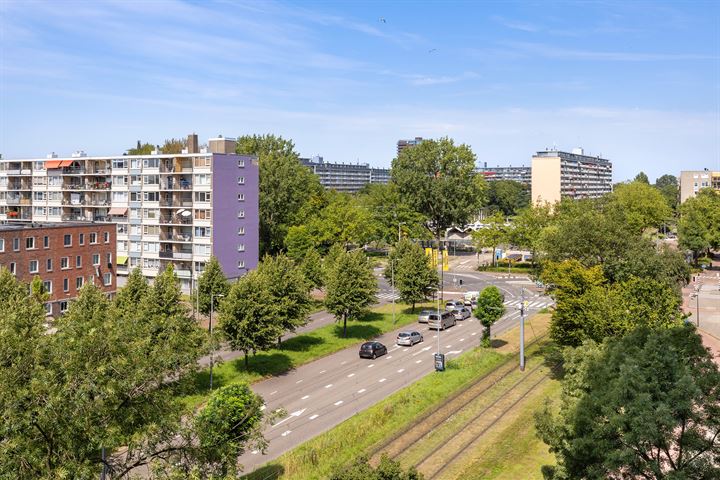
[(516, 174), (556, 174), (168, 208), (691, 181), (403, 144), (345, 177), (64, 255)]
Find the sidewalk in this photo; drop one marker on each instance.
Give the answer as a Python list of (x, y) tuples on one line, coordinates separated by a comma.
[(701, 297)]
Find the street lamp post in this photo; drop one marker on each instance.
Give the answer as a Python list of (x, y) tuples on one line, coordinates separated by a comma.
[(212, 307), (392, 286), (697, 305)]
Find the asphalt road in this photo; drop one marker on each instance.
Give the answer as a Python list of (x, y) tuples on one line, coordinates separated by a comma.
[(321, 394)]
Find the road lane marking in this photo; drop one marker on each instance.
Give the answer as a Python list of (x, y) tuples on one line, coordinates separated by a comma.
[(371, 365), (419, 361), (425, 349), (286, 433), (339, 402), (343, 363), (313, 417), (305, 397), (454, 351), (396, 348), (448, 346), (323, 371), (382, 380), (254, 452), (351, 375), (293, 414), (388, 357), (361, 390), (328, 385), (434, 336), (273, 393), (298, 382), (473, 334), (462, 339), (263, 408), (401, 370)]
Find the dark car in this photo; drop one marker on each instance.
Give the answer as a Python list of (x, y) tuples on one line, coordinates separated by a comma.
[(372, 350)]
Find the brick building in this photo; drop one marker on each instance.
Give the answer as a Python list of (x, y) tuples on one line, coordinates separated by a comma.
[(64, 255)]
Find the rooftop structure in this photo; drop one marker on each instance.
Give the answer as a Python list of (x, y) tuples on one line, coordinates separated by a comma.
[(557, 174)]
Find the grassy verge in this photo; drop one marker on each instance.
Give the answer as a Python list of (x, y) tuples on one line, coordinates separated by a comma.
[(299, 350), (516, 452), (321, 455)]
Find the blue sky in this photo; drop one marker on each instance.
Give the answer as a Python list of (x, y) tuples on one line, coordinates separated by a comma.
[(638, 82)]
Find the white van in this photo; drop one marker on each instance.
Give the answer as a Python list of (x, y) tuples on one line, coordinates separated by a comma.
[(472, 296), (446, 320)]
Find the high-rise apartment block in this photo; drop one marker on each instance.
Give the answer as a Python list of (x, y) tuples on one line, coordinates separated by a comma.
[(345, 177), (692, 181), (169, 208), (557, 174), (64, 255), (403, 144), (516, 174)]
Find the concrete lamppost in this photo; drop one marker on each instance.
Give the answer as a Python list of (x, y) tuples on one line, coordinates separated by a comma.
[(212, 307)]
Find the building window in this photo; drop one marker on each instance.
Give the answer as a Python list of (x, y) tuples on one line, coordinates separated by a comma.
[(203, 231), (241, 213), (16, 244), (81, 239), (241, 247), (48, 309), (66, 284), (107, 279), (64, 263), (106, 237), (47, 286), (63, 306), (30, 243), (241, 231), (2, 244), (78, 261), (93, 238), (241, 264), (241, 197), (241, 180), (96, 259), (46, 242), (34, 266), (241, 163), (202, 214), (67, 240), (108, 259), (78, 283), (48, 265), (12, 267), (203, 196)]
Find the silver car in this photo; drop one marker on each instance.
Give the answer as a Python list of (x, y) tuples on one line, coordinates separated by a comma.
[(409, 338), (424, 315), (453, 304), (461, 313)]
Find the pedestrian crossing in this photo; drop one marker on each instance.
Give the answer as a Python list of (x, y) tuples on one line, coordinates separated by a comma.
[(388, 296), (532, 303)]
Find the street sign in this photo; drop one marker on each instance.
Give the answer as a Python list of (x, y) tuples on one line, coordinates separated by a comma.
[(439, 362)]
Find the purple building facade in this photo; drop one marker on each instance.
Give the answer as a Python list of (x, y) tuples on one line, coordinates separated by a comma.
[(235, 211)]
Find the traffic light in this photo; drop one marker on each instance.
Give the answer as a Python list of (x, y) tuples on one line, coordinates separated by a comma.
[(461, 281)]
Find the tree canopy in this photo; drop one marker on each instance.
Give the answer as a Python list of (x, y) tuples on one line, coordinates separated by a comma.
[(415, 278), (490, 308), (642, 178), (508, 196), (492, 235), (350, 285), (387, 469), (211, 283), (699, 225), (641, 206), (641, 406)]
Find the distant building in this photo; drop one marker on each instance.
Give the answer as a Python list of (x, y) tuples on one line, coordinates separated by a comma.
[(65, 256), (174, 209), (691, 181), (345, 177), (517, 174), (403, 144), (557, 174)]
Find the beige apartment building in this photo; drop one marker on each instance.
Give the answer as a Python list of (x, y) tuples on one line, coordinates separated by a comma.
[(557, 174), (692, 181)]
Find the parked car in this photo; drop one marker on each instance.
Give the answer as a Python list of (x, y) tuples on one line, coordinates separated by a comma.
[(372, 350), (423, 317), (409, 338), (453, 304), (445, 320), (461, 313)]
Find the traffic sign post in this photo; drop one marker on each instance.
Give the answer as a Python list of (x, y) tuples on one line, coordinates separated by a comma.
[(439, 362)]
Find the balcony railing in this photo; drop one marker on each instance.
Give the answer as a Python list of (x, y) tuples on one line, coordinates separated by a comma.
[(176, 220)]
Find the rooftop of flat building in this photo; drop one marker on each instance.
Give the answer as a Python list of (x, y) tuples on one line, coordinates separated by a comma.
[(8, 227), (577, 155)]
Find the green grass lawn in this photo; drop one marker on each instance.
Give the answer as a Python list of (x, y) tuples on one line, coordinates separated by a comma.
[(318, 457), (299, 350)]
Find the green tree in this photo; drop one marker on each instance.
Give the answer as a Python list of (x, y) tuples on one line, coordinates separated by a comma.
[(437, 180), (391, 215), (387, 469), (285, 186), (415, 278), (212, 281), (669, 188), (351, 287), (141, 149), (527, 227), (133, 293), (641, 406), (288, 292), (507, 196), (641, 206), (641, 178), (344, 220), (247, 318), (311, 266), (492, 235), (666, 180), (490, 307), (699, 225), (642, 259), (173, 145)]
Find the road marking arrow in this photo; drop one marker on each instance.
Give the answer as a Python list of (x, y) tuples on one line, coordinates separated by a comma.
[(293, 414)]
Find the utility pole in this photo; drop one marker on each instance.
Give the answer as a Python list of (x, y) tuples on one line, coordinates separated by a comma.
[(392, 286), (439, 358), (522, 329), (212, 306), (697, 305)]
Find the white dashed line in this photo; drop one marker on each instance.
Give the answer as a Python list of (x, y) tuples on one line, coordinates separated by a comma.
[(273, 393), (448, 346), (255, 452), (351, 375), (298, 381), (361, 390), (313, 417), (305, 397), (328, 385), (473, 334), (382, 380), (323, 371), (286, 433), (462, 339), (389, 357), (419, 361), (434, 336), (371, 365), (339, 402), (343, 363), (263, 408), (401, 370)]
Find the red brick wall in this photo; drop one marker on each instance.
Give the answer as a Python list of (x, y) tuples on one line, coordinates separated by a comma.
[(56, 251)]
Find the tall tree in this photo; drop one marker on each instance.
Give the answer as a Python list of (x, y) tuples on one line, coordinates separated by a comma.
[(437, 179), (410, 269), (392, 216), (490, 307), (247, 318), (492, 235), (173, 145), (312, 269), (527, 227), (285, 186), (669, 188), (641, 206), (642, 178), (641, 406), (133, 293), (508, 196), (211, 283), (141, 149), (699, 225), (351, 287)]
